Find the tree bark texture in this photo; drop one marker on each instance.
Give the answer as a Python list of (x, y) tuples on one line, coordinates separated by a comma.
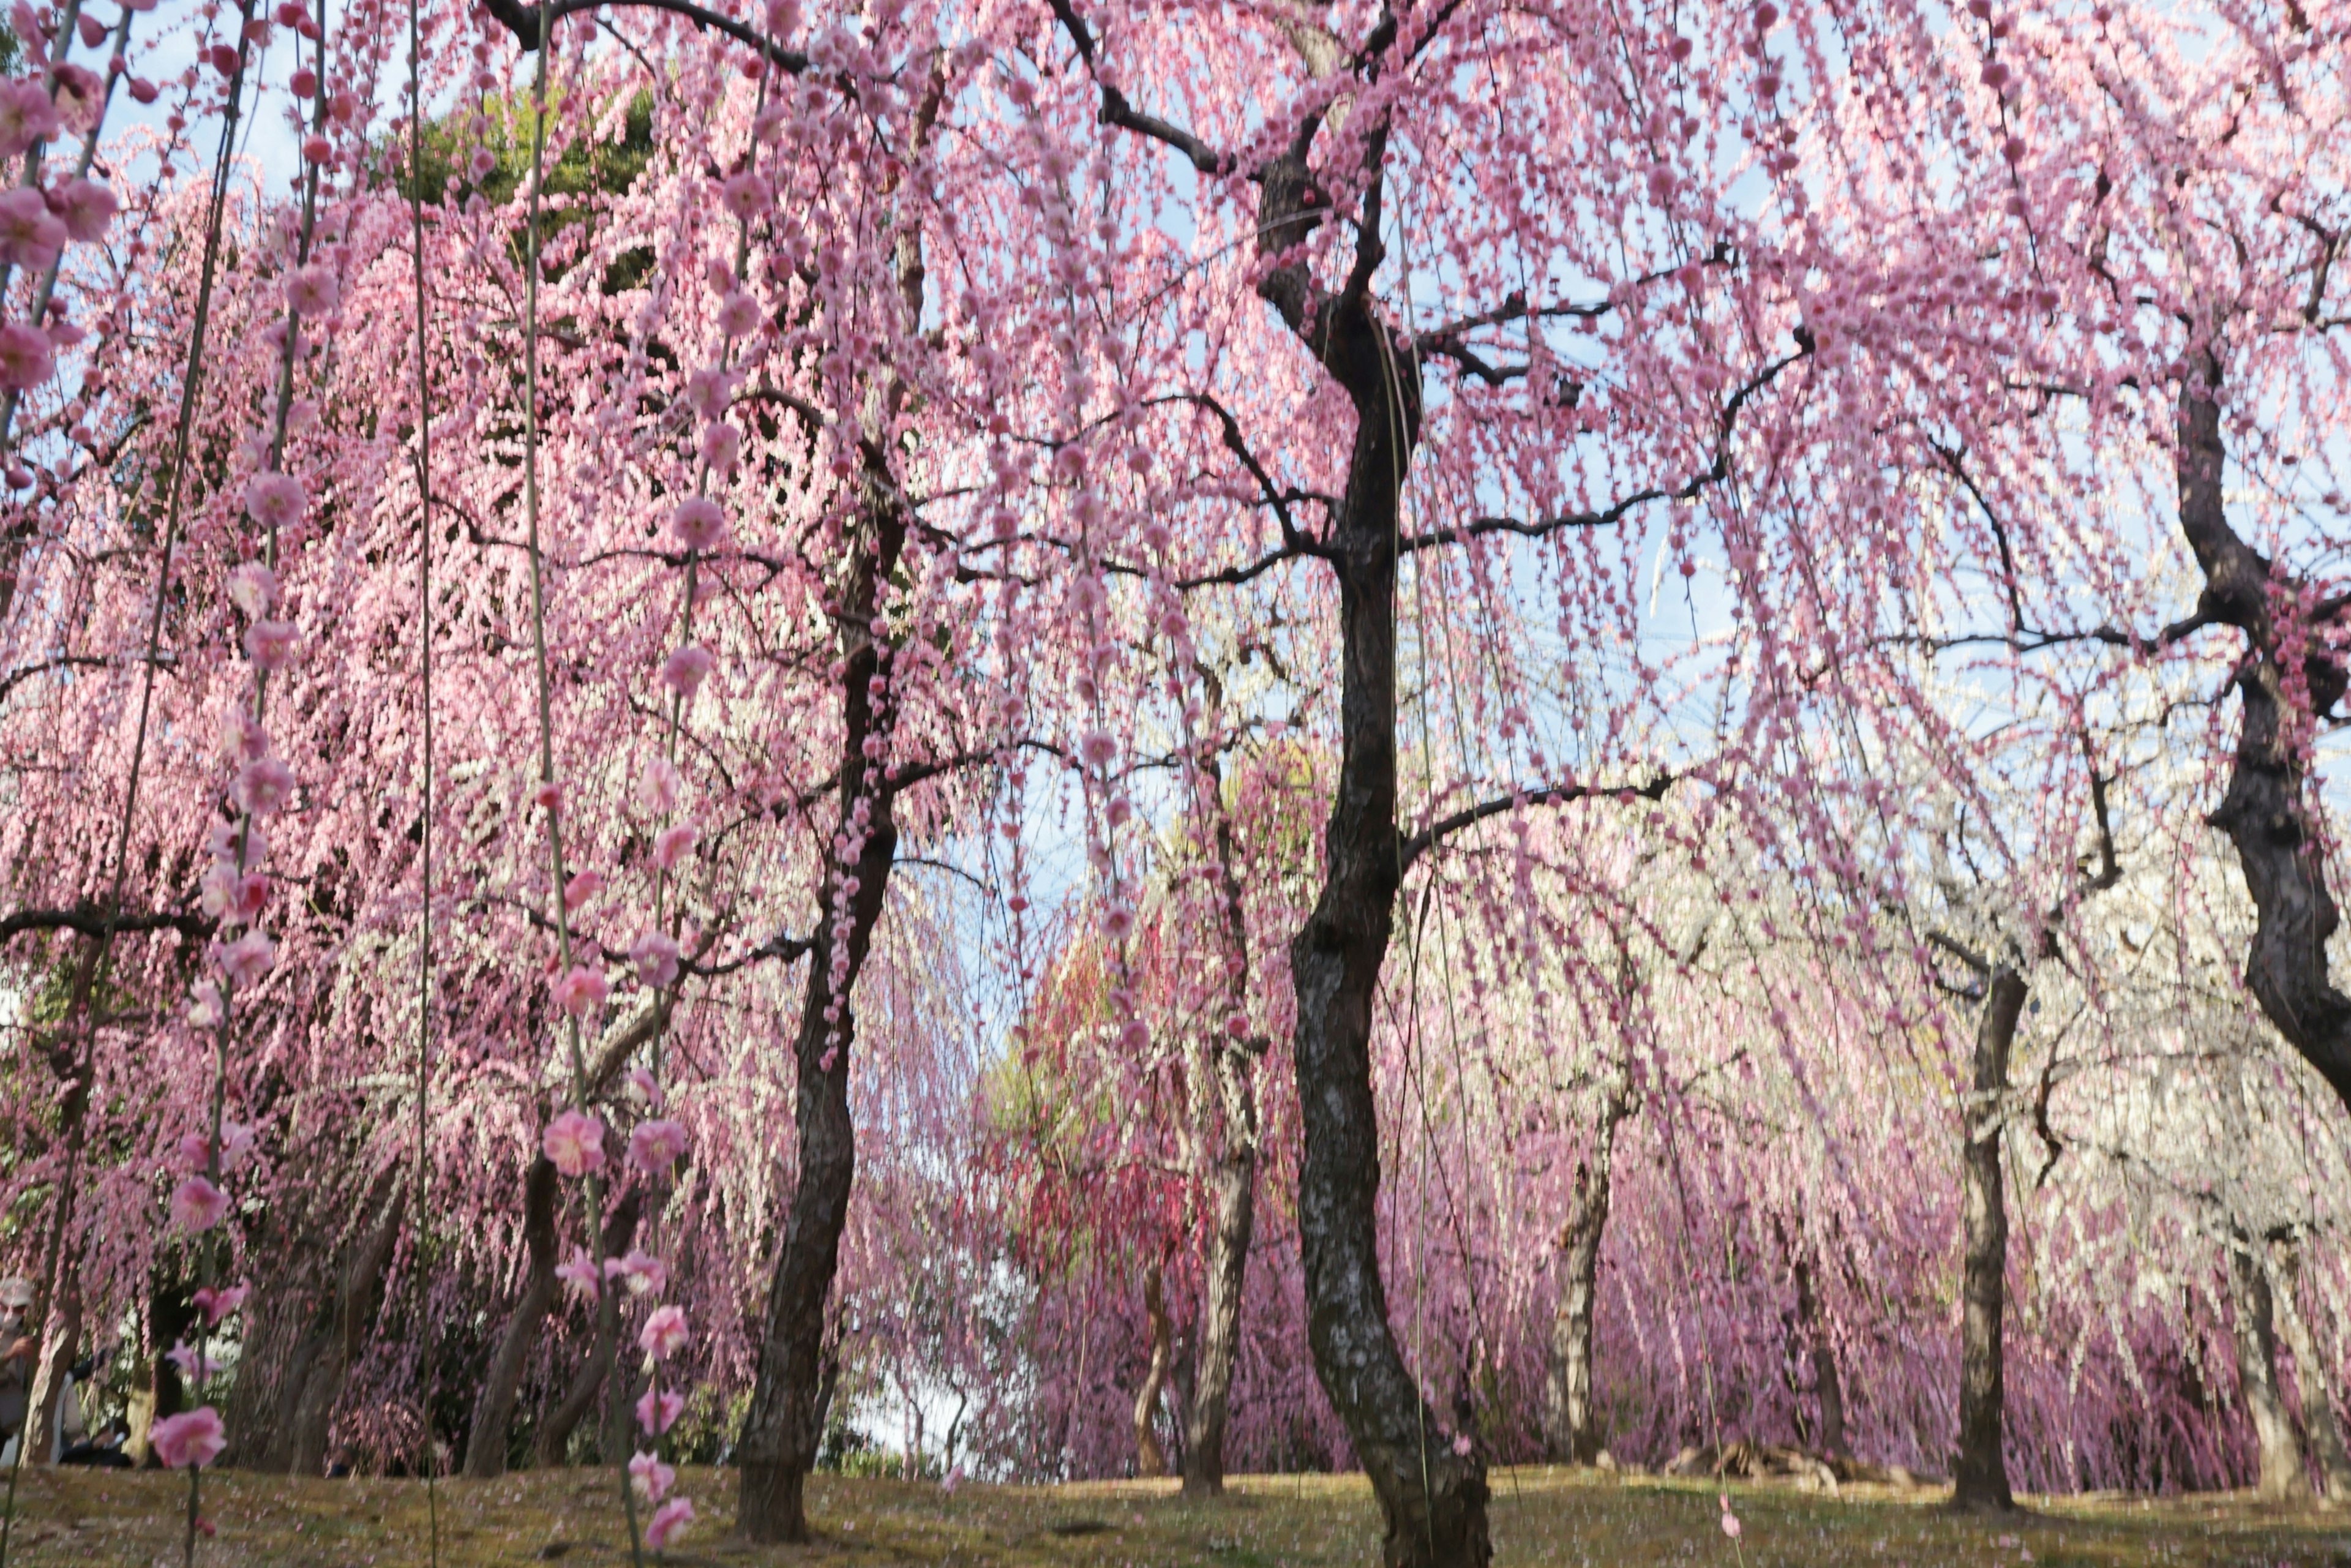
[(488, 1441), (1433, 1498), (1232, 1197), (2284, 1476), (493, 1407), (2320, 1419), (1828, 1388), (1980, 1472), (358, 1293), (1570, 1430), (60, 1337), (1150, 1454), (555, 1427), (2266, 813), (785, 1428)]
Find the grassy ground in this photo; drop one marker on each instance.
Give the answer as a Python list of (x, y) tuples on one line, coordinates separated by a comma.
[(98, 1519)]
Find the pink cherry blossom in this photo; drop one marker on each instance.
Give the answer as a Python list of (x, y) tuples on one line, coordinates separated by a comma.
[(738, 315), (657, 787), (669, 1520), (216, 1304), (26, 116), (246, 960), (743, 195), (270, 643), (30, 235), (252, 588), (683, 670), (721, 446), (583, 886), (85, 208), (708, 391), (652, 1479), (312, 291), (197, 1205), (581, 990), (658, 1409), (275, 500), (191, 1440), (671, 845), (264, 785), (665, 1333), (655, 956), (640, 1270), (578, 1273), (698, 523), (192, 1363), (574, 1141), (25, 358), (655, 1145)]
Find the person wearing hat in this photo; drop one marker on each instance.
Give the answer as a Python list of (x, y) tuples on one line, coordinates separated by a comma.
[(18, 1352)]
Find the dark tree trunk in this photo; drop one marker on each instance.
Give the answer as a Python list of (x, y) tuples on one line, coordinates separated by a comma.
[(1570, 1430), (171, 1314), (554, 1428), (1150, 1454), (2284, 1476), (1232, 1194), (1828, 1388), (2311, 1372), (1980, 1469), (2266, 813), (786, 1424), (493, 1407), (1433, 1499), (358, 1295)]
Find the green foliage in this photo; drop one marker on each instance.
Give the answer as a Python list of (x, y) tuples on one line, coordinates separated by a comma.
[(585, 169)]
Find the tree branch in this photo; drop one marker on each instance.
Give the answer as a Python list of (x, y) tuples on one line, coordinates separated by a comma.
[(1557, 794), (1713, 475), (1116, 110), (89, 920), (525, 22)]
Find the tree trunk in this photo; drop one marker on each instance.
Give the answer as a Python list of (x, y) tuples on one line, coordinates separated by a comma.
[(2265, 812), (357, 1297), (1828, 1388), (1434, 1499), (1570, 1430), (2319, 1417), (1150, 1454), (1232, 1193), (493, 1407), (555, 1427), (60, 1337), (786, 1424), (1232, 1183), (1981, 1471), (2284, 1476)]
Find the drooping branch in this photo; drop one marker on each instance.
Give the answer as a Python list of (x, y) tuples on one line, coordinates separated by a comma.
[(1116, 110), (1714, 474), (1435, 832)]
